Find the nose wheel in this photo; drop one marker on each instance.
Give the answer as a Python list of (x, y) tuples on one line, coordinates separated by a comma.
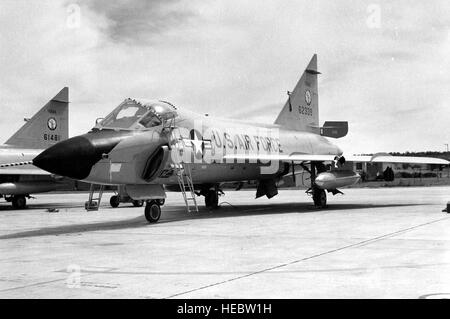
[(152, 211)]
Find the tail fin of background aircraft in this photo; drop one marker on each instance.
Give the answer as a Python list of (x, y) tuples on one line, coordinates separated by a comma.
[(47, 127), (301, 111)]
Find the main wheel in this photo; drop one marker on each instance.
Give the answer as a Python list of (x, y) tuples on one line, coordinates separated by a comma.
[(319, 198), (19, 202), (212, 199), (138, 203), (152, 212), (114, 201)]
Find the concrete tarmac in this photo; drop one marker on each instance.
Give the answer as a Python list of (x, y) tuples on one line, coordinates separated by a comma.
[(369, 243)]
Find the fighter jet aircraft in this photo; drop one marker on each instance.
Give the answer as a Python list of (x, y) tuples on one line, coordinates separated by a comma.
[(47, 127), (143, 145)]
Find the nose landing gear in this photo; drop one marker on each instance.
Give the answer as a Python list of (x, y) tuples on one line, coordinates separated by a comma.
[(319, 195), (153, 211)]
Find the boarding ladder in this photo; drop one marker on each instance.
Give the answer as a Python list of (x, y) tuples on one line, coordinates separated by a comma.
[(184, 176), (94, 202)]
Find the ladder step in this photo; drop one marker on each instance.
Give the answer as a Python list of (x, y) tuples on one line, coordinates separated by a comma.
[(186, 187), (94, 202)]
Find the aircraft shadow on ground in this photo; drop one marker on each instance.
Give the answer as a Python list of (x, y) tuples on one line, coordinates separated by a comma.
[(178, 213), (226, 210)]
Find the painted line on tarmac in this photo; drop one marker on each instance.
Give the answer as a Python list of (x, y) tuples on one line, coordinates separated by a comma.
[(358, 244), (43, 283)]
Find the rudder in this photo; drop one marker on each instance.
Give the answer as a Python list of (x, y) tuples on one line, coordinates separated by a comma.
[(47, 127)]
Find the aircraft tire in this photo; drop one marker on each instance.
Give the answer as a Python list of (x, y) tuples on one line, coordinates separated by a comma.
[(319, 198), (152, 212), (138, 203), (114, 201), (19, 202), (212, 199)]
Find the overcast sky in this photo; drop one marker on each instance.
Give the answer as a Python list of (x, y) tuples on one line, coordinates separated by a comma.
[(385, 64)]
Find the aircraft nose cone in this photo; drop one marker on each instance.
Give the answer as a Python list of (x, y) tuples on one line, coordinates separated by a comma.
[(73, 158)]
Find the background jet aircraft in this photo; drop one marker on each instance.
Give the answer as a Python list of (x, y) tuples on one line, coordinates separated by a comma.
[(46, 128), (144, 145)]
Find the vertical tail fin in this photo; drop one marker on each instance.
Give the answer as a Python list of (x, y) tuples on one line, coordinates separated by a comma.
[(47, 127), (301, 111)]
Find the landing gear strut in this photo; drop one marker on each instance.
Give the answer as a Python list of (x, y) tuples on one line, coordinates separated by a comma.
[(319, 197), (212, 199), (211, 194), (152, 211), (19, 202)]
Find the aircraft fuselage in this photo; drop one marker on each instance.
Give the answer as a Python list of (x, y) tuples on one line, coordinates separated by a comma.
[(198, 141)]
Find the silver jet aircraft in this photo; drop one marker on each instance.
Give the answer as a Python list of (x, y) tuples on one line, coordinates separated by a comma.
[(147, 147), (47, 127)]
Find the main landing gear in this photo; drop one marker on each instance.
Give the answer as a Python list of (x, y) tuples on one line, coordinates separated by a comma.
[(19, 201), (153, 210), (114, 201), (319, 195), (212, 197)]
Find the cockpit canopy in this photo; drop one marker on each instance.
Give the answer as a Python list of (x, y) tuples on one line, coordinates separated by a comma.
[(132, 114)]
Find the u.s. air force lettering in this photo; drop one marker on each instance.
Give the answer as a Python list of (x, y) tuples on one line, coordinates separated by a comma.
[(244, 142)]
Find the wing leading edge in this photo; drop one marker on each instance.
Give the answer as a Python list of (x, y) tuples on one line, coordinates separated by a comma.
[(397, 159), (330, 158)]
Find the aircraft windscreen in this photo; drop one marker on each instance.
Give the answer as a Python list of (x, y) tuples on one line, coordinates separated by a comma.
[(134, 115), (125, 115), (150, 120)]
